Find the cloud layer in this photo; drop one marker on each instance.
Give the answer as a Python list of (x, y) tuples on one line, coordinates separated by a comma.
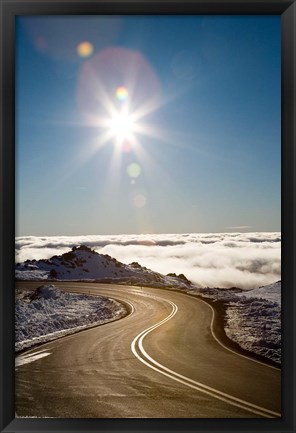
[(245, 260)]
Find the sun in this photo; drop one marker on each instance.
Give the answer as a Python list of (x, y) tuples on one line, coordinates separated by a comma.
[(122, 125)]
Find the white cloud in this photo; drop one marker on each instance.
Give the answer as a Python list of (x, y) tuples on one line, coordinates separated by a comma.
[(245, 260)]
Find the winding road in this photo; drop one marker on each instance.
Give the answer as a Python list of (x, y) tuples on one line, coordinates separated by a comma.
[(162, 360)]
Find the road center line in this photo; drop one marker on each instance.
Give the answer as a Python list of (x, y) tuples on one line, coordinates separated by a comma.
[(139, 351)]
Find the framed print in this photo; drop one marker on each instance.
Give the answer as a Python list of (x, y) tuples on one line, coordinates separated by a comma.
[(147, 216)]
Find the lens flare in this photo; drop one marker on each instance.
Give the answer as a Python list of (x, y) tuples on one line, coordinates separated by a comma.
[(122, 93), (85, 49), (117, 89), (134, 170)]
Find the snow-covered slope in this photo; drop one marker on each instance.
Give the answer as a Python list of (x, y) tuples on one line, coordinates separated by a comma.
[(48, 313), (82, 263), (252, 318), (271, 293)]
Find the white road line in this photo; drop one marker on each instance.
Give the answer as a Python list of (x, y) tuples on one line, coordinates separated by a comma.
[(131, 305), (22, 360), (137, 344), (139, 293), (213, 333), (135, 291), (27, 354), (176, 376), (69, 336), (225, 347)]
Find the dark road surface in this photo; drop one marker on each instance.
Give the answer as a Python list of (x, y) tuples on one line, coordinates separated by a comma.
[(160, 361)]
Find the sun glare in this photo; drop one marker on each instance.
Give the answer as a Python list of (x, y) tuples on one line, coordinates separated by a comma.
[(122, 125), (118, 90)]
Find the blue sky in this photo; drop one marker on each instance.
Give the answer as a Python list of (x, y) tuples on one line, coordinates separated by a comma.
[(210, 161)]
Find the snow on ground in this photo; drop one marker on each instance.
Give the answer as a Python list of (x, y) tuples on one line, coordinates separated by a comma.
[(253, 318), (245, 260), (82, 263), (271, 293), (48, 313), (254, 321), (256, 326)]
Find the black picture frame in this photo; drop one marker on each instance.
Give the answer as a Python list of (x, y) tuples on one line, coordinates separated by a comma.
[(9, 10)]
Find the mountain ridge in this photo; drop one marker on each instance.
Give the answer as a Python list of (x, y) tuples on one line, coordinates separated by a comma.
[(83, 263)]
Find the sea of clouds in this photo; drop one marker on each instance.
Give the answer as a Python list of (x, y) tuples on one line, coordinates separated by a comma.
[(244, 260)]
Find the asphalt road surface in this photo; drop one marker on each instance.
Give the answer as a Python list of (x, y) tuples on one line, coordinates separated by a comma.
[(162, 360)]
